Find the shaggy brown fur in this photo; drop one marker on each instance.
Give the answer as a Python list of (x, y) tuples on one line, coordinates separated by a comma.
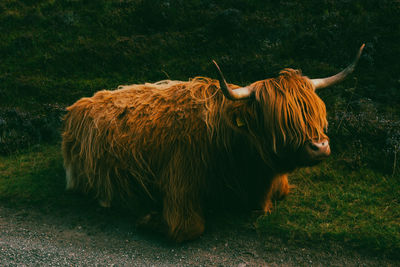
[(178, 147)]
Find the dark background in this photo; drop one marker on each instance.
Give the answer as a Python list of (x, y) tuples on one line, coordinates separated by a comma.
[(54, 52)]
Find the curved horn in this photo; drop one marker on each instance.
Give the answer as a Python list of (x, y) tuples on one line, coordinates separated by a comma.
[(325, 82), (232, 94)]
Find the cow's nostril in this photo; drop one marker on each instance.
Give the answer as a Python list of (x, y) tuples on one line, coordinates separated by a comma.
[(314, 147)]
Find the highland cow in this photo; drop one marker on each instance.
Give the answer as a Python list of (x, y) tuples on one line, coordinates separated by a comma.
[(175, 148)]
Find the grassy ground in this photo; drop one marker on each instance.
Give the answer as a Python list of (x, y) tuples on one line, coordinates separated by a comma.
[(329, 203), (57, 51), (360, 208), (32, 177)]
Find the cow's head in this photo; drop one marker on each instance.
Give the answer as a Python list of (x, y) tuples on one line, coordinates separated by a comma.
[(285, 116)]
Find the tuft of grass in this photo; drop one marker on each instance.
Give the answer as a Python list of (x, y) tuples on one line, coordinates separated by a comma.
[(360, 208), (20, 129)]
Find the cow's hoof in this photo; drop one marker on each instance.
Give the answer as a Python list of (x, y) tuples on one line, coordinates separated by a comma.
[(152, 222), (268, 207), (104, 203)]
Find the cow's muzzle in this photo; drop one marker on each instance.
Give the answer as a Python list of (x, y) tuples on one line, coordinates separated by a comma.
[(319, 150)]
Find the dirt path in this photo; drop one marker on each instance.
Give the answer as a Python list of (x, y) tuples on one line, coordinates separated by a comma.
[(96, 237)]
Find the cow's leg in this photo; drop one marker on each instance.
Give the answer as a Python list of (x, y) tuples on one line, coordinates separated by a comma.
[(280, 187), (67, 149), (182, 207), (69, 178), (278, 190), (184, 220)]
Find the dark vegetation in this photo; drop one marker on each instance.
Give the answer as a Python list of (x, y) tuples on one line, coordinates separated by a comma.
[(55, 52)]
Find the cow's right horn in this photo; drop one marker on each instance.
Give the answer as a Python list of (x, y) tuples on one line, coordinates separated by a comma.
[(232, 94), (325, 82)]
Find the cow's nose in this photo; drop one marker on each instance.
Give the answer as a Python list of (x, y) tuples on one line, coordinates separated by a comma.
[(319, 150)]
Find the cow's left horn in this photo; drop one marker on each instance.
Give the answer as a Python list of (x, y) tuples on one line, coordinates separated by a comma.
[(325, 82), (232, 94)]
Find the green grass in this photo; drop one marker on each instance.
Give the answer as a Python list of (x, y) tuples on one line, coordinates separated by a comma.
[(360, 208), (35, 176), (330, 203)]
